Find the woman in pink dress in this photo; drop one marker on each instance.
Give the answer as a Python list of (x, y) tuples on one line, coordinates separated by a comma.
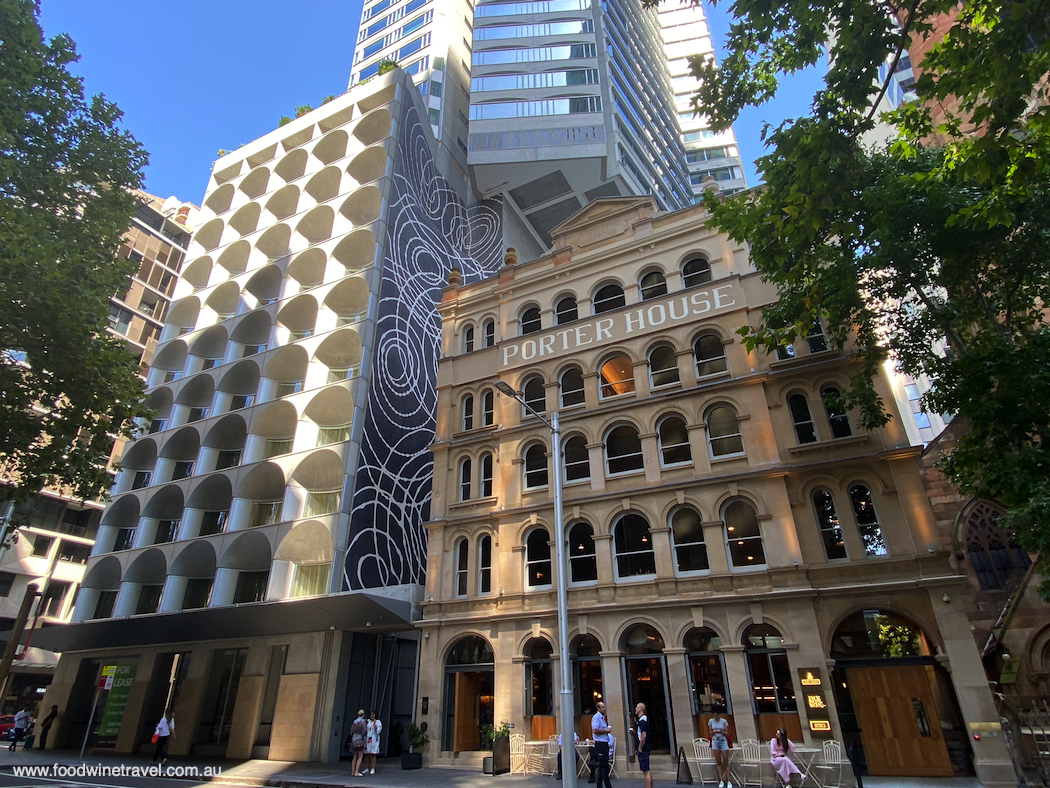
[(779, 747)]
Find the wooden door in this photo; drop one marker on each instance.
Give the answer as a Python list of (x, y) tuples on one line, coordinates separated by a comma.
[(898, 721), (467, 730)]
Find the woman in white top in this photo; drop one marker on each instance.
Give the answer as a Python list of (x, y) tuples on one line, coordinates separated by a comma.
[(165, 730), (719, 725), (375, 727)]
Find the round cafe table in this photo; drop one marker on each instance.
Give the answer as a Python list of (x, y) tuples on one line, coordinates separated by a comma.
[(805, 757)]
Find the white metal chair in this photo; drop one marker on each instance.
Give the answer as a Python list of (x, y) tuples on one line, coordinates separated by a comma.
[(751, 762), (551, 756), (704, 757), (829, 773), (517, 753)]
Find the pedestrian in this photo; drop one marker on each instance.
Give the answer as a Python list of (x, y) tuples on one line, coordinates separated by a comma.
[(165, 730), (45, 726), (719, 726), (575, 738), (22, 719), (356, 740), (375, 727), (600, 730), (643, 744), (779, 747)]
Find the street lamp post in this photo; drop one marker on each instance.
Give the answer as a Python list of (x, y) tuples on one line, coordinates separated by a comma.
[(566, 706)]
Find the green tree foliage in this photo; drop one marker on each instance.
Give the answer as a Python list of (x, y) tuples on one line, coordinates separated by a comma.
[(386, 64), (66, 172), (933, 249)]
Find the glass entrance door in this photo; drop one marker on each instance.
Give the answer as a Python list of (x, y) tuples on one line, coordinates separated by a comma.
[(647, 683)]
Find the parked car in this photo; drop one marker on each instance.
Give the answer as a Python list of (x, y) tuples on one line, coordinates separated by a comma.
[(7, 722)]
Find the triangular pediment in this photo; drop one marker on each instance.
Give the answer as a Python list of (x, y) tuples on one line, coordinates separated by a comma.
[(604, 218)]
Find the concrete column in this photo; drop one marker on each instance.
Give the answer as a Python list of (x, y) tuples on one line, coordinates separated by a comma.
[(191, 523), (127, 598), (716, 548), (224, 588), (991, 760), (650, 457), (739, 691), (174, 591), (641, 377), (596, 462), (681, 704), (590, 390), (86, 601), (240, 514), (615, 705), (146, 532)]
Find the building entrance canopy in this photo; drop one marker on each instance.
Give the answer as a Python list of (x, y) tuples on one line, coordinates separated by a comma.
[(356, 610)]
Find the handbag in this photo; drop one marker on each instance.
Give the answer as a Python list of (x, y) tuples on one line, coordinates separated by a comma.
[(154, 739)]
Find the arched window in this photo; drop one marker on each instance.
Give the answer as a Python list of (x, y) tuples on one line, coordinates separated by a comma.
[(538, 558), (828, 521), (485, 564), (468, 413), (464, 480), (837, 418), (634, 547), (577, 463), (710, 356), (867, 520), (583, 564), (623, 450), (534, 396), (490, 333), (608, 298), (468, 339), (565, 311), (696, 272), (462, 562), (653, 285), (674, 441), (723, 432), (488, 410), (805, 431), (530, 321), (572, 387), (535, 467), (743, 535), (772, 689), (617, 377), (878, 634), (663, 366), (690, 549), (539, 678), (993, 551), (486, 475)]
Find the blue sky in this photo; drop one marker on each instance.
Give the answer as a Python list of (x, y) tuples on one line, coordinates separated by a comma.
[(193, 77)]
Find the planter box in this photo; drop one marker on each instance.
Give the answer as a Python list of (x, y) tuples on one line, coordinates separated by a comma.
[(411, 760), (501, 755)]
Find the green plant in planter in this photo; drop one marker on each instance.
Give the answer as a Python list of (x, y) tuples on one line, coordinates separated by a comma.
[(387, 64), (417, 738), (490, 733)]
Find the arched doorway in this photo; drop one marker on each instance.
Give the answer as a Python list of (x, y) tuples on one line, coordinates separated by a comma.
[(708, 685), (539, 688), (895, 700), (469, 686), (587, 680), (645, 674), (772, 690)]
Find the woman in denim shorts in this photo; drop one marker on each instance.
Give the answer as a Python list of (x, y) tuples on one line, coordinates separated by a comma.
[(720, 748)]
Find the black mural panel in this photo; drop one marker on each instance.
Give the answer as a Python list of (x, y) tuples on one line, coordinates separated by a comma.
[(429, 231)]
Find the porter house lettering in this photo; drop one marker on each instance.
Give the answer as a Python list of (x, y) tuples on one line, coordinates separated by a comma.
[(680, 308)]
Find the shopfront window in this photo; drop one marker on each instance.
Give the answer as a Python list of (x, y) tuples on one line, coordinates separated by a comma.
[(707, 675), (587, 675), (772, 690), (539, 678)]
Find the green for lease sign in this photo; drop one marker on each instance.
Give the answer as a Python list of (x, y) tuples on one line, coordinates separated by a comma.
[(123, 674)]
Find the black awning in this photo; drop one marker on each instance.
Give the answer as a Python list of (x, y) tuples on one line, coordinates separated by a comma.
[(356, 610)]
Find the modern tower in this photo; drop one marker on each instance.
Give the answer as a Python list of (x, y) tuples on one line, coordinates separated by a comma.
[(708, 154)]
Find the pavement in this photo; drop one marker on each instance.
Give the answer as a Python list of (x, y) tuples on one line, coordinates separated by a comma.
[(73, 771)]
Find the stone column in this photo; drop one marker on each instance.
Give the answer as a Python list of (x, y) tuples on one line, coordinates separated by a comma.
[(590, 390), (650, 457), (641, 377), (739, 691), (615, 708), (716, 549), (681, 703), (686, 368), (699, 448), (991, 759), (596, 458)]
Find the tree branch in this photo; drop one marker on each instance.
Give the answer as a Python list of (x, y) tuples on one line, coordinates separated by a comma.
[(896, 59)]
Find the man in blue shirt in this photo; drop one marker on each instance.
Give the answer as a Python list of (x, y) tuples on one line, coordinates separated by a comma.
[(601, 730), (644, 745)]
